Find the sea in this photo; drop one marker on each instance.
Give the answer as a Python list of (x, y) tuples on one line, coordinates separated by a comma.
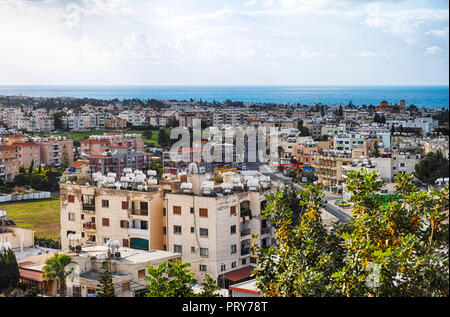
[(420, 96)]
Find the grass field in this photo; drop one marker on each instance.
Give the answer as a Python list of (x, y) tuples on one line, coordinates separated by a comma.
[(42, 216), (78, 136)]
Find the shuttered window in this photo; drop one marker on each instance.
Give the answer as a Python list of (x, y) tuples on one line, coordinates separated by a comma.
[(203, 212), (124, 204), (105, 222), (232, 210), (71, 198), (176, 210)]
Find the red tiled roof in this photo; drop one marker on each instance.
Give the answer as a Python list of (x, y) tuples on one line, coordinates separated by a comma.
[(25, 144), (31, 275), (239, 274), (77, 164), (97, 155)]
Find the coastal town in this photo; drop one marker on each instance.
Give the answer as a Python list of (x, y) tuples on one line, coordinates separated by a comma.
[(127, 197)]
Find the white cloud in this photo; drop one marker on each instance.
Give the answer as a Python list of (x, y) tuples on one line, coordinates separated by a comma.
[(364, 54), (440, 33), (433, 50), (251, 2)]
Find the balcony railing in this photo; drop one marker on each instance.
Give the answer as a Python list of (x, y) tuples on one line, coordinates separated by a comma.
[(245, 232), (88, 207), (138, 232), (246, 212), (245, 251), (265, 230), (139, 212), (89, 226)]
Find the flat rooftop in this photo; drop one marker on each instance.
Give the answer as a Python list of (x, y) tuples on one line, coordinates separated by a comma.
[(128, 255)]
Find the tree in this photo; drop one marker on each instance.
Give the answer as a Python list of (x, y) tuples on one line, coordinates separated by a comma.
[(393, 248), (174, 279), (105, 288), (9, 272), (55, 268), (432, 167), (376, 149), (163, 138)]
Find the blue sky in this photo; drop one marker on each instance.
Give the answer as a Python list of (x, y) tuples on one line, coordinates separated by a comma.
[(200, 42)]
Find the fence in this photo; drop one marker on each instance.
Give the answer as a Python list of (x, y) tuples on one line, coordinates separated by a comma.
[(24, 196)]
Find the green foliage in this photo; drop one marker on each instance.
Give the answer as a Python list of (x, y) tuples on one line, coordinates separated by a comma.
[(55, 269), (176, 280), (399, 248), (105, 288), (46, 179), (432, 167), (33, 291), (46, 243), (9, 271)]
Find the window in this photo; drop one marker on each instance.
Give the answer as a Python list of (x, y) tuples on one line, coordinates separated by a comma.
[(164, 230), (192, 249), (82, 216), (233, 229), (192, 229), (164, 211), (203, 232), (233, 265), (192, 210), (70, 232), (144, 205), (223, 267), (124, 204), (176, 210), (141, 273), (91, 291), (76, 291), (71, 198), (232, 210), (203, 267), (125, 243), (105, 240), (203, 212), (204, 252), (177, 248), (105, 222), (176, 229), (124, 224), (71, 216), (126, 286), (244, 261), (233, 249), (105, 203)]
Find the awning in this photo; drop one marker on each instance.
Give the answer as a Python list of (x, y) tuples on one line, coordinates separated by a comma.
[(31, 275), (239, 274)]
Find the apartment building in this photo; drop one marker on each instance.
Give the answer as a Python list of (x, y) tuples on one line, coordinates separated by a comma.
[(404, 162), (28, 153), (212, 226), (55, 150), (114, 123), (328, 167), (98, 144), (9, 164), (117, 159), (98, 214)]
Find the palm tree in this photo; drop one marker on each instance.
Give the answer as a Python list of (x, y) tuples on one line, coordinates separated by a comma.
[(55, 268)]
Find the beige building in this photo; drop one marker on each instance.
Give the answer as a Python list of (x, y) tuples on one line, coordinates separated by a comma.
[(212, 228), (134, 218), (128, 267)]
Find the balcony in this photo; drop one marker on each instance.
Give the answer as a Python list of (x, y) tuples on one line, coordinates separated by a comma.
[(245, 232), (246, 212), (89, 226), (88, 207), (138, 212), (265, 230), (245, 251), (138, 232)]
